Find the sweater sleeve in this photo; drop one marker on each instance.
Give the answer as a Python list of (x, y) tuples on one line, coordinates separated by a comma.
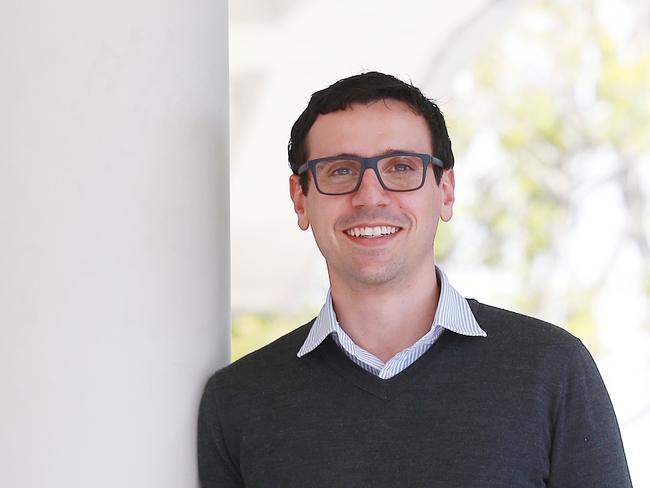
[(216, 468), (587, 449)]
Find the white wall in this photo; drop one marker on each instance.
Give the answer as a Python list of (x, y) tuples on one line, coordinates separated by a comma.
[(114, 302)]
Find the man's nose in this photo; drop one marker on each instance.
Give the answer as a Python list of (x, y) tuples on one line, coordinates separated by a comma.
[(370, 191)]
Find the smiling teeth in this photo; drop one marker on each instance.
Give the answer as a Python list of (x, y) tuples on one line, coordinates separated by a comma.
[(371, 231)]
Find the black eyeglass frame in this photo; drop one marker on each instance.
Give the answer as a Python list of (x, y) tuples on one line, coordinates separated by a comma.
[(370, 163)]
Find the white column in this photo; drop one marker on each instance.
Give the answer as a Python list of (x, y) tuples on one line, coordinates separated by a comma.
[(114, 302)]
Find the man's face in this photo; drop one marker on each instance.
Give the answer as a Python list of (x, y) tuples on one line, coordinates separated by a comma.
[(398, 257)]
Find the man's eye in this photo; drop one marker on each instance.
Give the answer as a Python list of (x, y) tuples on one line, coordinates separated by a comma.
[(342, 171), (399, 165), (402, 168)]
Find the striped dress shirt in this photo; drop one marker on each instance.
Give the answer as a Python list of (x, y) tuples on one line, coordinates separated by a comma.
[(453, 314)]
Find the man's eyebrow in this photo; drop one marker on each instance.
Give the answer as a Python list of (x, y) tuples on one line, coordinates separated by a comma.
[(388, 152)]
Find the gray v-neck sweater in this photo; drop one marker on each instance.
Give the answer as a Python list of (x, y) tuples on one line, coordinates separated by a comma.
[(524, 407)]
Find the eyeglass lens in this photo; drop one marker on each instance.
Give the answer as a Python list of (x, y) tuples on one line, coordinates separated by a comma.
[(399, 173)]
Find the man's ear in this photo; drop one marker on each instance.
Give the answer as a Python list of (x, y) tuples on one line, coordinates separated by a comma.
[(298, 198), (447, 185)]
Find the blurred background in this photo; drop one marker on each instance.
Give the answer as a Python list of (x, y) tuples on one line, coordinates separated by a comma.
[(548, 108)]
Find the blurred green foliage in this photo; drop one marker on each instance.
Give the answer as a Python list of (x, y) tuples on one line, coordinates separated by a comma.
[(250, 331), (557, 98)]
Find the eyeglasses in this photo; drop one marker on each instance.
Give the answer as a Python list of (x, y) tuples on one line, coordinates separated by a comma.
[(339, 175)]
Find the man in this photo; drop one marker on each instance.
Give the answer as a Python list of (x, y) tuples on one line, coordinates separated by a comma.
[(400, 381)]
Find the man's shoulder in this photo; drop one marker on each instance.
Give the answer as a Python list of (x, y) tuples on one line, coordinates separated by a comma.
[(271, 359), (515, 328), (528, 345)]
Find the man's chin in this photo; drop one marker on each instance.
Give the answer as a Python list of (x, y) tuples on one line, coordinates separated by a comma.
[(371, 275)]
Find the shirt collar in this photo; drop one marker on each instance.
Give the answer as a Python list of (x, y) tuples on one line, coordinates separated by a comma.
[(453, 313)]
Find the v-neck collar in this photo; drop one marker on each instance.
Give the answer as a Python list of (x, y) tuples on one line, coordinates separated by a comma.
[(335, 358), (452, 314)]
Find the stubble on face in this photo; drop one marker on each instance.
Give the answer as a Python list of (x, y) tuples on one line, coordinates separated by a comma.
[(370, 130), (370, 266)]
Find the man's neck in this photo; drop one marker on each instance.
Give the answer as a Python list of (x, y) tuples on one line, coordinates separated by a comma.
[(387, 319)]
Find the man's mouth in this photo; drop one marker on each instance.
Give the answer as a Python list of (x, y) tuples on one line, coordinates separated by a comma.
[(372, 232)]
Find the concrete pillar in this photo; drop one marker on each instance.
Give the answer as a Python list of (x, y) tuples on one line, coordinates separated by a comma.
[(114, 300)]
